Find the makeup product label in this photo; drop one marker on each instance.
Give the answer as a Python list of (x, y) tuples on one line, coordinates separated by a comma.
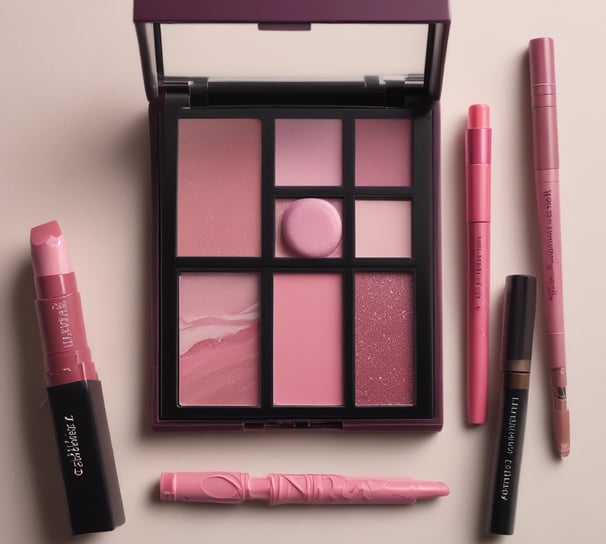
[(85, 455), (507, 469)]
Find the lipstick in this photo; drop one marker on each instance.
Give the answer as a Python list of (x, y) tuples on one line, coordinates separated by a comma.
[(239, 487), (478, 139), (518, 329), (74, 390)]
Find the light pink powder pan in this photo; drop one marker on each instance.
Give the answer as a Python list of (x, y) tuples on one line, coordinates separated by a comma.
[(308, 152)]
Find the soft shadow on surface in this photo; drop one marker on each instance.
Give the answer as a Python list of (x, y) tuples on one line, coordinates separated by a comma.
[(48, 495), (459, 237), (485, 471), (139, 154)]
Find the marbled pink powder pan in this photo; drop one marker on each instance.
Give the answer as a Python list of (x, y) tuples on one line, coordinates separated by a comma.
[(219, 188), (219, 339), (384, 339)]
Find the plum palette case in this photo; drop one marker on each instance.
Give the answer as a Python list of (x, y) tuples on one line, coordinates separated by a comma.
[(296, 262)]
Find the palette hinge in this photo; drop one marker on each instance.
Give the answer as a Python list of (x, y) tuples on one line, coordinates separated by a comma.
[(175, 95), (394, 92), (198, 92), (185, 93)]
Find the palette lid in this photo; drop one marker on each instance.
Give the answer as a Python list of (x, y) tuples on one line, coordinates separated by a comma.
[(273, 41)]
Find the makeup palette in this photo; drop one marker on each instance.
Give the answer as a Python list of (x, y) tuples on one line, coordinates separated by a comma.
[(296, 257)]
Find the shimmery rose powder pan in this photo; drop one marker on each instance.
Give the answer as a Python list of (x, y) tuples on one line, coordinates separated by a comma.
[(297, 255)]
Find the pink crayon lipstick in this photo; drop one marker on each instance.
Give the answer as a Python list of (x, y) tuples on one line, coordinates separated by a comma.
[(478, 139), (74, 390), (239, 487)]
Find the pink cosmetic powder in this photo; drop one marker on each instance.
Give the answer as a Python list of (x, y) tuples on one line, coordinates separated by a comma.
[(383, 228), (309, 152), (219, 188), (383, 152), (219, 339), (384, 344), (282, 248), (308, 337)]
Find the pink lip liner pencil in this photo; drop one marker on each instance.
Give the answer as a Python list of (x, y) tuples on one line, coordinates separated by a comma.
[(477, 160), (239, 487), (546, 177)]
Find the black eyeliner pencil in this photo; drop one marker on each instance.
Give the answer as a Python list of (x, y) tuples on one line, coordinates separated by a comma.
[(518, 329)]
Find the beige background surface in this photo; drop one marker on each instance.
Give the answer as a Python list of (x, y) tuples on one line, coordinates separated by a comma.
[(73, 147)]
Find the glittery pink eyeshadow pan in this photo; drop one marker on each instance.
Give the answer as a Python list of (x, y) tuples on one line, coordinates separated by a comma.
[(384, 339)]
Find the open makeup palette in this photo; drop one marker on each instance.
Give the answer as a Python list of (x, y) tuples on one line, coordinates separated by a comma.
[(296, 212)]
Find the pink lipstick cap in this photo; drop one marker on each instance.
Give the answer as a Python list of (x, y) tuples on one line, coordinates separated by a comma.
[(542, 65), (478, 116)]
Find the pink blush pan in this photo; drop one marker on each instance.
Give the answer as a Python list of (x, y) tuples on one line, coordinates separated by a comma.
[(383, 152), (219, 187), (308, 331)]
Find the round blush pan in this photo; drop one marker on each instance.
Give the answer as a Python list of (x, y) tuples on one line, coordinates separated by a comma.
[(311, 227)]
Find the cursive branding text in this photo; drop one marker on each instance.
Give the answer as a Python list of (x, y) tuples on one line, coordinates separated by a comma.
[(72, 446), (63, 320), (512, 444)]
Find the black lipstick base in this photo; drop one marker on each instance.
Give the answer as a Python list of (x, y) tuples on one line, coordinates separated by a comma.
[(86, 456)]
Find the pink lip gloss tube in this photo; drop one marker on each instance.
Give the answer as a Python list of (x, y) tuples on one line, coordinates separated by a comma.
[(74, 390), (477, 160), (547, 185), (239, 487)]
